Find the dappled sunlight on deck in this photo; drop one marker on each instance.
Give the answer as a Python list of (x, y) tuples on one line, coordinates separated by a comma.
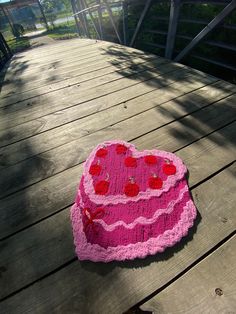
[(57, 103)]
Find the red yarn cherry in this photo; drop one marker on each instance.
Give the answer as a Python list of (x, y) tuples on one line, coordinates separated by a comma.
[(121, 149), (102, 152), (150, 160), (95, 170), (169, 169), (155, 183), (130, 162), (101, 187), (131, 189)]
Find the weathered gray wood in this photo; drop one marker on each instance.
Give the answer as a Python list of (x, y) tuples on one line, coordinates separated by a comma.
[(100, 18), (84, 286), (31, 63), (112, 20), (213, 24), (125, 22), (75, 16), (173, 22), (109, 55), (140, 21), (54, 48), (143, 69), (54, 76), (92, 19), (83, 17), (43, 248), (11, 154), (213, 291), (58, 100), (97, 77), (65, 156), (206, 151)]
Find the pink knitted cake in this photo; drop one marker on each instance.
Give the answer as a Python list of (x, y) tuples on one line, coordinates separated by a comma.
[(130, 204)]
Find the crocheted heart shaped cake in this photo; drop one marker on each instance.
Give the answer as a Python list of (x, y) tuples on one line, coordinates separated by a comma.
[(130, 204)]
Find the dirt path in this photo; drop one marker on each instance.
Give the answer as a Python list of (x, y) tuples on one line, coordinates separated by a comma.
[(38, 39)]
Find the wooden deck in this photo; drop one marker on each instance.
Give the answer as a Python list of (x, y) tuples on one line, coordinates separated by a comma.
[(57, 103)]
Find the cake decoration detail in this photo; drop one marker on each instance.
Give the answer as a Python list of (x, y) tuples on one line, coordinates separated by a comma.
[(130, 209)]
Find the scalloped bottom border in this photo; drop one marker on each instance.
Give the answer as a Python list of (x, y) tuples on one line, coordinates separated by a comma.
[(96, 253)]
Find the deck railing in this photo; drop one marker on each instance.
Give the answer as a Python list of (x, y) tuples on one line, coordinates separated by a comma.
[(175, 34), (5, 52)]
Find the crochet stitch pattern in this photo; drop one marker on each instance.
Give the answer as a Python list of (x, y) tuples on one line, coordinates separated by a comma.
[(130, 204)]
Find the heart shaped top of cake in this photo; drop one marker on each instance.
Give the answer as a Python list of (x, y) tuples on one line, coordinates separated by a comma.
[(130, 204), (116, 172)]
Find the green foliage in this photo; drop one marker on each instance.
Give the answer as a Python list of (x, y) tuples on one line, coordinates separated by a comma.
[(63, 31), (50, 8), (193, 18), (17, 45)]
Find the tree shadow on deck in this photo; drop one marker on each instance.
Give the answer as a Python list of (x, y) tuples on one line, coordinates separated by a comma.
[(201, 112), (187, 132)]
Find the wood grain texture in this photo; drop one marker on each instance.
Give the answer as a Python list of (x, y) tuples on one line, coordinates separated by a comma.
[(90, 79), (34, 108), (203, 157), (107, 55), (71, 131), (64, 156), (209, 287), (114, 287), (175, 108)]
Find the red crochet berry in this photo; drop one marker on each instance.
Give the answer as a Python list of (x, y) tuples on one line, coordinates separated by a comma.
[(95, 170), (150, 160), (155, 183), (130, 162), (102, 152), (101, 187), (121, 149), (169, 169), (131, 189)]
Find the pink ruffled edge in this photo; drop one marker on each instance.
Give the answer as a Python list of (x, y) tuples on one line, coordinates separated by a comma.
[(96, 253), (141, 219), (123, 199)]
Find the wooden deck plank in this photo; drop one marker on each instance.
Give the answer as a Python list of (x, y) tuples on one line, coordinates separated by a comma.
[(54, 74), (94, 78), (76, 53), (42, 52), (31, 109), (86, 286), (39, 79), (14, 153), (65, 156), (36, 78), (11, 135), (210, 287), (57, 192), (191, 113), (209, 94), (59, 58)]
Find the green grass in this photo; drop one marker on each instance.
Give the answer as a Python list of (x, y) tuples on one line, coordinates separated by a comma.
[(17, 45), (63, 31), (63, 14)]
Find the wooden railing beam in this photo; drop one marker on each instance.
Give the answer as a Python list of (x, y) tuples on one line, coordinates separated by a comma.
[(100, 18), (173, 23), (92, 19), (206, 30), (112, 20), (143, 14)]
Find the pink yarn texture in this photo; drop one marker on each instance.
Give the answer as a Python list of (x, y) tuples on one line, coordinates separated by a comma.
[(130, 204)]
